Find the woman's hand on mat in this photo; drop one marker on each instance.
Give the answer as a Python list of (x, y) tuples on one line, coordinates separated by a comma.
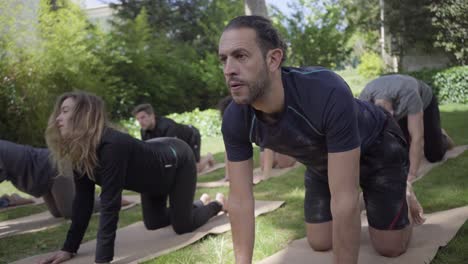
[(57, 257)]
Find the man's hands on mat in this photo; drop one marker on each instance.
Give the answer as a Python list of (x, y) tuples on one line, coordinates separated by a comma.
[(57, 257)]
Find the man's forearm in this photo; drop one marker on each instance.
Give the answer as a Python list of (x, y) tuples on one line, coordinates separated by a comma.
[(241, 215), (415, 155), (346, 230)]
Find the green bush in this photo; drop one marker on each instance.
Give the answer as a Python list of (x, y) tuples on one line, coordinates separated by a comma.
[(449, 85), (371, 65), (208, 122), (130, 126), (452, 85), (425, 75)]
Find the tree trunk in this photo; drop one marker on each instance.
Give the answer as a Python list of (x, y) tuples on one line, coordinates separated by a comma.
[(256, 7)]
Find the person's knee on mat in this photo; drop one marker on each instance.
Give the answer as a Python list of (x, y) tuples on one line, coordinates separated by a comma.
[(319, 236), (182, 228), (320, 244), (435, 157), (390, 251), (151, 225)]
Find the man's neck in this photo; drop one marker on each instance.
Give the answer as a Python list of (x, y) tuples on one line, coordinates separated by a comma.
[(153, 126), (273, 100)]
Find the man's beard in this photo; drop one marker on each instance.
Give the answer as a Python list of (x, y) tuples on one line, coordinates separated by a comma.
[(257, 88)]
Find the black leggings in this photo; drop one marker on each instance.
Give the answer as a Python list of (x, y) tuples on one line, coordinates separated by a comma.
[(184, 215), (435, 143)]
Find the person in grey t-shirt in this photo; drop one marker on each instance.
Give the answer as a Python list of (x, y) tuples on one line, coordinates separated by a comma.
[(30, 171), (416, 109)]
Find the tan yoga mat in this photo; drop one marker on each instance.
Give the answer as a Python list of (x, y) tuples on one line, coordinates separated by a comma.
[(437, 231), (44, 220), (36, 201), (426, 166), (257, 173), (135, 244), (217, 166)]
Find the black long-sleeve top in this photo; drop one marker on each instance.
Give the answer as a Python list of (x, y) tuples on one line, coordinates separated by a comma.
[(123, 163), (166, 127)]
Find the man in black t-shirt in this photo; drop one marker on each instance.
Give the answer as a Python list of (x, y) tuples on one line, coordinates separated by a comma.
[(153, 126), (311, 115)]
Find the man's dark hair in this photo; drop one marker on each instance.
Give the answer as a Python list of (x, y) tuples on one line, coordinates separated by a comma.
[(147, 108), (267, 36)]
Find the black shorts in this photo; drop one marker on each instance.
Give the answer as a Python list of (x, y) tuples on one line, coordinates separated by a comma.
[(383, 175), (195, 142)]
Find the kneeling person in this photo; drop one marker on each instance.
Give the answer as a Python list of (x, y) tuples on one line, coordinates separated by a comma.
[(415, 107), (162, 169), (153, 126), (310, 114)]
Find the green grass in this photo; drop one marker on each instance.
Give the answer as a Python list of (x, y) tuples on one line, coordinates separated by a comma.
[(213, 145), (443, 188), (21, 211)]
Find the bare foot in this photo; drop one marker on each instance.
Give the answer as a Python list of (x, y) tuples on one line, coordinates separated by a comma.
[(16, 199), (205, 198), (211, 160), (415, 207), (450, 142), (125, 202), (222, 200), (258, 178)]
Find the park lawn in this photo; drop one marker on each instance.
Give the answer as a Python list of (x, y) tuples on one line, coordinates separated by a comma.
[(275, 230)]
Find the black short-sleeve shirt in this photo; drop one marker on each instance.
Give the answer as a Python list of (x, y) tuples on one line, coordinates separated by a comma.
[(320, 116)]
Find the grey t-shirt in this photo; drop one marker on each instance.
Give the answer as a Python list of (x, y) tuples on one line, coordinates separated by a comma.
[(408, 95), (26, 167)]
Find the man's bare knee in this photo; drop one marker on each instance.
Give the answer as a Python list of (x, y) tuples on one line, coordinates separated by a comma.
[(320, 244), (390, 251), (319, 236)]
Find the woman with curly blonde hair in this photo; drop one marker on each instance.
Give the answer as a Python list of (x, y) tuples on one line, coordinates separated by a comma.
[(78, 134)]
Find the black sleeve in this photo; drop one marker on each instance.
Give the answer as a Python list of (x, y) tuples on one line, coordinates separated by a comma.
[(112, 172), (341, 121), (81, 213), (236, 134), (171, 128)]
